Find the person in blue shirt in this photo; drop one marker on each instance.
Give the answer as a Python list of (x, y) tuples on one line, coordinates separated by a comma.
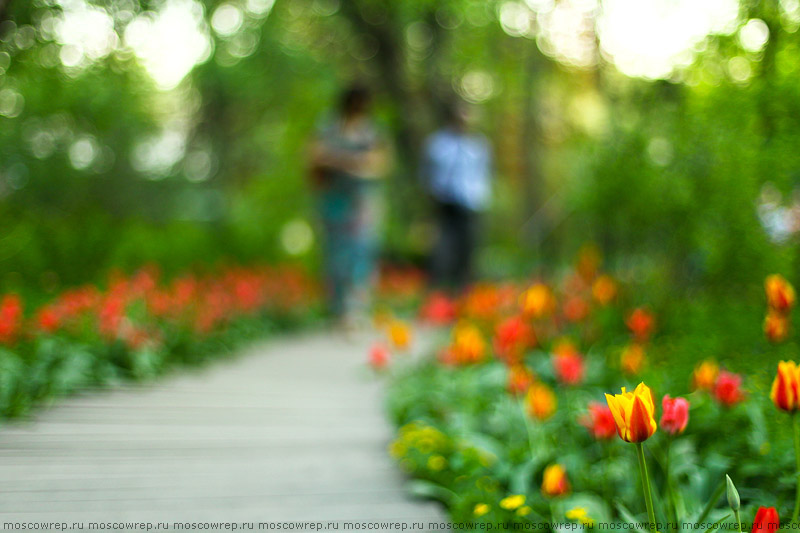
[(456, 172)]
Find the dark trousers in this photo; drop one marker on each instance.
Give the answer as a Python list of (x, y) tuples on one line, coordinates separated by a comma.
[(451, 263)]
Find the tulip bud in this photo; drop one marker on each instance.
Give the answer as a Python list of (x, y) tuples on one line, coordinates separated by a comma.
[(733, 494)]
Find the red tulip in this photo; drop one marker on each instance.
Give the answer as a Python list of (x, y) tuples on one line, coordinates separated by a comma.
[(10, 318), (641, 324), (570, 368), (599, 421), (728, 389), (675, 414), (511, 338), (378, 356), (766, 520), (439, 309)]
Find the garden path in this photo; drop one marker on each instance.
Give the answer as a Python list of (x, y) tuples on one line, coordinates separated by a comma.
[(292, 429)]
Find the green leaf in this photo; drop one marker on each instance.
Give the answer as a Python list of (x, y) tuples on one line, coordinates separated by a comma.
[(429, 490), (628, 517)]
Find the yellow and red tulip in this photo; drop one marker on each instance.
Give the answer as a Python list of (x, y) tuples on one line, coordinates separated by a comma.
[(780, 293), (785, 392), (633, 413), (776, 326), (555, 482), (538, 301)]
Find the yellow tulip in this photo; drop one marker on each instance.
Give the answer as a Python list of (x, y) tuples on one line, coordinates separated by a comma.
[(633, 413)]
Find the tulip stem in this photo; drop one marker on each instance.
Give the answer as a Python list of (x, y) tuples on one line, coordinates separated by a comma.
[(648, 496), (738, 521), (670, 489), (796, 421)]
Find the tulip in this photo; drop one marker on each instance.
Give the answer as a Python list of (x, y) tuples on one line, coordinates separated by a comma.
[(776, 326), (10, 318), (588, 262), (378, 356), (734, 502), (675, 414), (641, 324), (399, 334), (576, 309), (468, 345), (555, 482), (604, 289), (569, 367), (785, 392), (633, 413), (519, 379), (541, 401), (705, 376), (512, 337), (538, 301), (780, 293), (439, 309), (599, 421), (632, 359), (728, 389), (766, 520)]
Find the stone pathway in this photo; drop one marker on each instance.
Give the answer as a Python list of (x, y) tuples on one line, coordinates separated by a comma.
[(291, 430)]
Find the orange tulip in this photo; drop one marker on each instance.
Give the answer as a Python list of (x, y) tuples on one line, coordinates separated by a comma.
[(785, 392), (780, 293), (633, 413), (555, 482), (541, 401)]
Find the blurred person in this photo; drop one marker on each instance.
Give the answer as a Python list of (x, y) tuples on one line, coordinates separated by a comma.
[(456, 171), (348, 158)]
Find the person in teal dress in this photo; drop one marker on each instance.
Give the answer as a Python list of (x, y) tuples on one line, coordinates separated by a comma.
[(348, 160)]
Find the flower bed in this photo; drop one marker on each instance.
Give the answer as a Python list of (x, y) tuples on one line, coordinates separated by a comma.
[(137, 327), (520, 416)]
